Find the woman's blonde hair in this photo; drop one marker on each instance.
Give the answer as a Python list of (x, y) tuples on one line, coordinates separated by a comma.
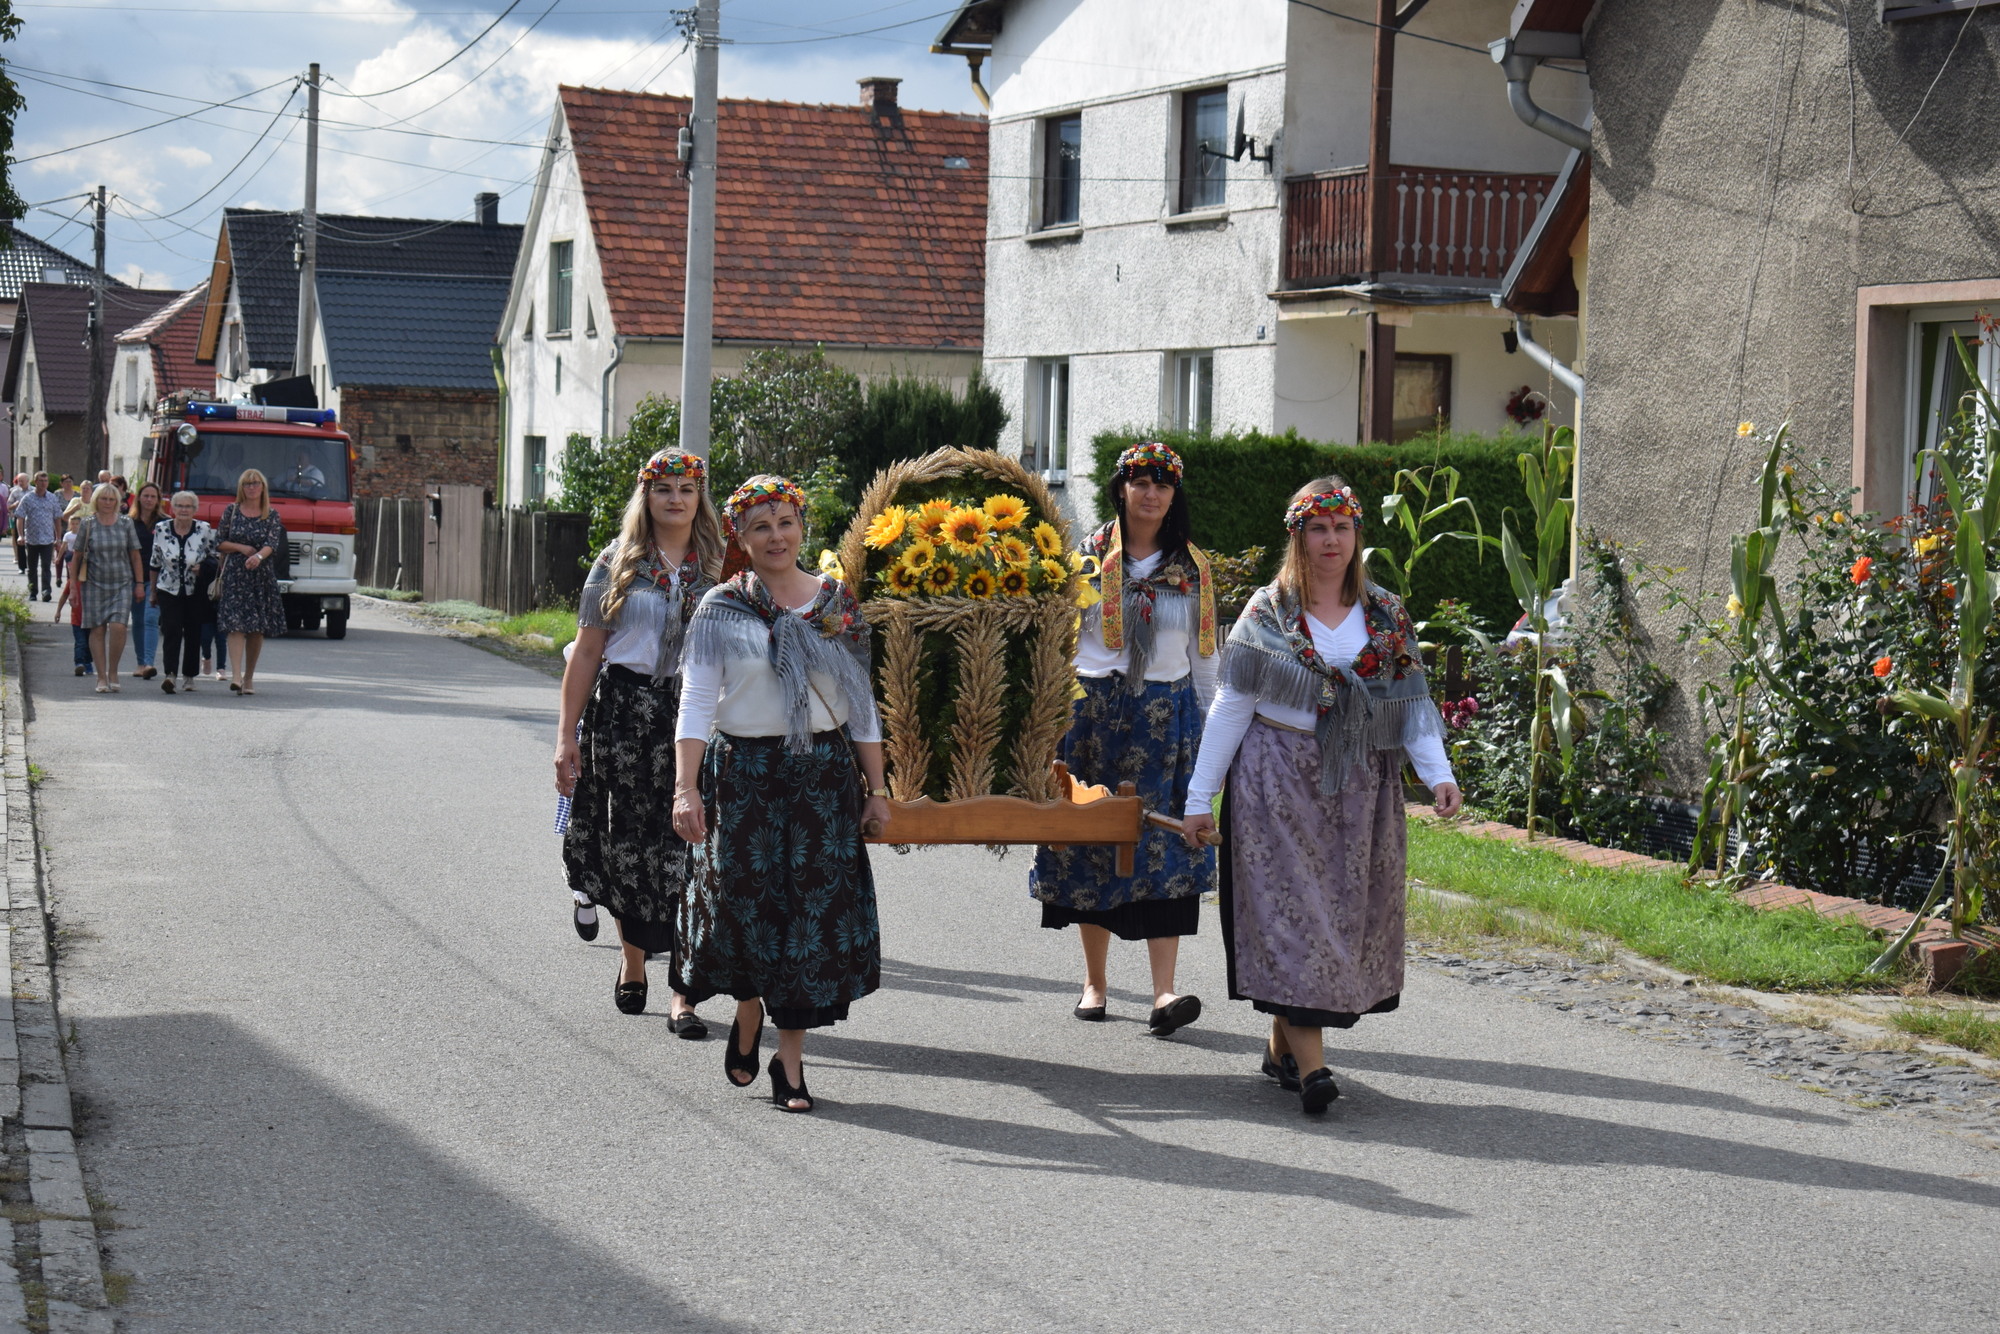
[(635, 544), (1295, 574), (252, 475), (103, 489)]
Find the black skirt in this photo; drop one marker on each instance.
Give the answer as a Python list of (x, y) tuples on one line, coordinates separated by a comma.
[(1145, 919), (621, 848)]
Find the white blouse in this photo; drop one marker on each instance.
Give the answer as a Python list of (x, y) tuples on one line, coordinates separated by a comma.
[(1232, 713), (1176, 649), (743, 698), (633, 640)]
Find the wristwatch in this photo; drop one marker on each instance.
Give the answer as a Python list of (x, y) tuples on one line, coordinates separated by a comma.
[(878, 792)]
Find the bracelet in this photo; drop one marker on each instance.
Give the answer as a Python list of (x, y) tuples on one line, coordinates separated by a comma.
[(878, 792)]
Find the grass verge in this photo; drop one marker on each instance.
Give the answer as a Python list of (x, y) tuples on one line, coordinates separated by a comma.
[(1960, 1028), (1696, 928), (543, 632), (391, 594)]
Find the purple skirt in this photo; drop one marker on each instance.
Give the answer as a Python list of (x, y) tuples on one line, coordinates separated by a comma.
[(1312, 886)]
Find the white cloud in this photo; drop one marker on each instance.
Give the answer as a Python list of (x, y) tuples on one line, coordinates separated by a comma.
[(188, 155), (133, 275)]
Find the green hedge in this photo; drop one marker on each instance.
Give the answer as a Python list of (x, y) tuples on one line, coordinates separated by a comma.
[(1238, 485)]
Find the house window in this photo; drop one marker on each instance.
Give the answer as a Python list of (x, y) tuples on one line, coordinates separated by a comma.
[(28, 388), (589, 319), (1194, 391), (132, 384), (1062, 170), (1204, 148), (1941, 391), (528, 328), (1422, 402), (535, 467), (558, 374), (1048, 419), (1910, 385), (561, 276)]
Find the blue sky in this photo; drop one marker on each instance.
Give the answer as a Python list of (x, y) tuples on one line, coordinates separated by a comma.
[(477, 121)]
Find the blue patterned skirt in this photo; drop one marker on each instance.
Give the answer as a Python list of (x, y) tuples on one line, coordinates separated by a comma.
[(781, 904), (1149, 740)]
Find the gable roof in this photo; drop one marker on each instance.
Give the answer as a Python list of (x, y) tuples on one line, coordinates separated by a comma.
[(28, 260), (415, 331), (171, 332), (834, 224), (257, 250), (58, 316), (1541, 280)]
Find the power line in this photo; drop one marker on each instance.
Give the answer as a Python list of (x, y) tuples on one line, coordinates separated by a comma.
[(512, 5), (126, 134), (474, 79), (839, 36), (262, 135)]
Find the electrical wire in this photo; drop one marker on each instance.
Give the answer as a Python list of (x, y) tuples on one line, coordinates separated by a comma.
[(262, 135), (126, 134), (512, 5), (840, 36)]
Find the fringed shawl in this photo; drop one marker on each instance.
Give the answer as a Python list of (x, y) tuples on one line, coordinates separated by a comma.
[(1380, 701), (738, 620), (1178, 596), (655, 574)]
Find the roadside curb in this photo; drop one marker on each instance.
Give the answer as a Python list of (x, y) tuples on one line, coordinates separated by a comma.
[(56, 1235)]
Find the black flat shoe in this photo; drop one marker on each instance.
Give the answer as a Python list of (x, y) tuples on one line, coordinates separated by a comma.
[(1317, 1091), (782, 1092), (587, 929), (1285, 1070), (689, 1026), (737, 1062), (1175, 1014), (629, 997), (1090, 1014)]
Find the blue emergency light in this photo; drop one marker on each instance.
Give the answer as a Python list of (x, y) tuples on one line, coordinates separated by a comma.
[(254, 412)]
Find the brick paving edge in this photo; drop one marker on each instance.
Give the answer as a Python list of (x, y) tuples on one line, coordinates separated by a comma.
[(36, 1100)]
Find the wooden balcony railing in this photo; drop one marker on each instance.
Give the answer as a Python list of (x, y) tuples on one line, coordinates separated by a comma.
[(1442, 224)]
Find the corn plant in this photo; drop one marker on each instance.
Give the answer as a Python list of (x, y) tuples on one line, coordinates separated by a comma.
[(1423, 497), (1545, 475)]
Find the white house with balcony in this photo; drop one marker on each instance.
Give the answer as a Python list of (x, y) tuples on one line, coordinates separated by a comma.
[(1179, 218)]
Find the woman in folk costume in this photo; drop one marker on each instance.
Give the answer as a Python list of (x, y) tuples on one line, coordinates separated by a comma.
[(1323, 694), (778, 724), (1147, 660), (623, 685)]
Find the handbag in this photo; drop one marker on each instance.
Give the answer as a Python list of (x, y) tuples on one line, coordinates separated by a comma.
[(215, 586)]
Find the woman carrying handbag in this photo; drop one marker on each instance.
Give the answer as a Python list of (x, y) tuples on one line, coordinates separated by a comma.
[(248, 605)]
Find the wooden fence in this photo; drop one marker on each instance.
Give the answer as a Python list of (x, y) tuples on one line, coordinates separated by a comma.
[(451, 545), (532, 558), (389, 544)]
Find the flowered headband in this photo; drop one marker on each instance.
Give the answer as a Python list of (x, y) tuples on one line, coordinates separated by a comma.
[(1151, 454), (1336, 503), (759, 491), (674, 462)]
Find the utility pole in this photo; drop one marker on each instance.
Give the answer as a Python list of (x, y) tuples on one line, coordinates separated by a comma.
[(309, 233), (97, 441), (697, 154), (1378, 395)]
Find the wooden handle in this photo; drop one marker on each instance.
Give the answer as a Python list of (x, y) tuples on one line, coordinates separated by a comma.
[(1212, 837)]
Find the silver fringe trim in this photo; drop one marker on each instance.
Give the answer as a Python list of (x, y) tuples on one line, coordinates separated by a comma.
[(1171, 611), (721, 634), (1368, 716)]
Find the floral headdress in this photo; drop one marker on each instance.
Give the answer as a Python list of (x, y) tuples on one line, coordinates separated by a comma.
[(1338, 502), (1150, 456), (674, 461), (760, 491)]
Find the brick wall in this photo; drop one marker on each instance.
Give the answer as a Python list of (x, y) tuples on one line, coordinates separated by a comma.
[(408, 438)]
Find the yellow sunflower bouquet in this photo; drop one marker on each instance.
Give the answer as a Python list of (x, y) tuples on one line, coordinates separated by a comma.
[(961, 543)]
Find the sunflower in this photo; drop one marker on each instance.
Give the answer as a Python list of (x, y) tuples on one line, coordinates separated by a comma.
[(940, 578), (930, 517), (886, 527), (966, 531), (1047, 540), (1011, 550), (1007, 512), (919, 553), (902, 580), (1014, 581), (1055, 572), (979, 584)]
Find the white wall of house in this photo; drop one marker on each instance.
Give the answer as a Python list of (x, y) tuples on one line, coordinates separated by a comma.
[(233, 372), (1060, 52), (128, 405), (30, 411)]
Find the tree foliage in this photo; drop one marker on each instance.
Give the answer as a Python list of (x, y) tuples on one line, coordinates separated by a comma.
[(12, 206)]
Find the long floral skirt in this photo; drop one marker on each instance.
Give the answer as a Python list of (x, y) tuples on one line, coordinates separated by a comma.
[(1148, 740), (621, 848), (1312, 886), (781, 904)]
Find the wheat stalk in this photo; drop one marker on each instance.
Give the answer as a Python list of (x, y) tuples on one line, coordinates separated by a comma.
[(982, 689)]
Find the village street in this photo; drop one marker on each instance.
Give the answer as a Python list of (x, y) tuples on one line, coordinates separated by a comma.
[(341, 1064)]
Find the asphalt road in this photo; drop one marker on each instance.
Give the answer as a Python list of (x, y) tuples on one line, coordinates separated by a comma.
[(344, 1066)]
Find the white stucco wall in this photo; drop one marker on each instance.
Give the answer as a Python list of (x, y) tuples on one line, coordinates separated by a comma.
[(1063, 52), (126, 424)]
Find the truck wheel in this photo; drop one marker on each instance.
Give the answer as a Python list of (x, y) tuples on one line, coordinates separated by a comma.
[(336, 625)]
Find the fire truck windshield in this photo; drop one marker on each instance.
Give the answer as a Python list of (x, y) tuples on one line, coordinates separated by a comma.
[(301, 467)]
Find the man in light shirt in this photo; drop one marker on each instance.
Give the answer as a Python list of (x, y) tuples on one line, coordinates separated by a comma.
[(39, 511)]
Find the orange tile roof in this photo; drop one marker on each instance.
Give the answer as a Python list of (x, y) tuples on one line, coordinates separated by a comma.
[(172, 332), (832, 225)]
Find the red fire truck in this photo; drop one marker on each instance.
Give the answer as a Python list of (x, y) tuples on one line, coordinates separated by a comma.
[(203, 446)]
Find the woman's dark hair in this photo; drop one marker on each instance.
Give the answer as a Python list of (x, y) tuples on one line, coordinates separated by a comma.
[(1176, 530)]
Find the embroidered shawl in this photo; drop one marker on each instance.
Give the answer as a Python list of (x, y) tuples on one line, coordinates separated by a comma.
[(1178, 595), (1380, 701), (657, 574), (739, 620)]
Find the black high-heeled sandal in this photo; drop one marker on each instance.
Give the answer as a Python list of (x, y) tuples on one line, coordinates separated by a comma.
[(1285, 1070), (1317, 1091), (736, 1062), (782, 1092)]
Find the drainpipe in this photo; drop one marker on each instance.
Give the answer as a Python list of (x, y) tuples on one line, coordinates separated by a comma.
[(617, 355), (973, 60), (1519, 56), (1548, 361), (500, 379)]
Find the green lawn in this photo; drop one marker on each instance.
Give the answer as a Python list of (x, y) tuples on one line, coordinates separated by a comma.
[(556, 624), (1696, 928), (1960, 1028)]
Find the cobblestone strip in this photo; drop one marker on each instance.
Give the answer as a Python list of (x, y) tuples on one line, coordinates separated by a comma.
[(57, 1278)]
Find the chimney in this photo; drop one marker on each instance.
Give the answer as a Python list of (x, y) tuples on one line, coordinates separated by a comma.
[(878, 94), (487, 204)]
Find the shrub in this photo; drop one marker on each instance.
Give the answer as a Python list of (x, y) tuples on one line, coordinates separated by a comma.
[(908, 417), (1238, 484)]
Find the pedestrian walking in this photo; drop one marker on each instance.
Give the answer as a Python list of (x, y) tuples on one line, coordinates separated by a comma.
[(777, 711), (183, 549), (70, 603), (615, 733), (103, 574), (1323, 693), (18, 489), (1146, 658), (250, 608), (147, 513), (40, 514)]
